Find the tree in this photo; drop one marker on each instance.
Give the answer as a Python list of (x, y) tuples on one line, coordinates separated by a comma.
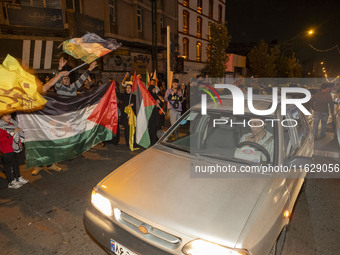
[(268, 62), (216, 51), (262, 60)]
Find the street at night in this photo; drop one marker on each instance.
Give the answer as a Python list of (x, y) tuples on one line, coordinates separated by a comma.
[(158, 127), (46, 215)]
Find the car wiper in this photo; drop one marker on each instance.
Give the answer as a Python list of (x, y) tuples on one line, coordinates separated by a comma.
[(241, 161), (174, 146), (209, 155)]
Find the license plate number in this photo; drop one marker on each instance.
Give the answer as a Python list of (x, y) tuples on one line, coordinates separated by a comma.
[(119, 249)]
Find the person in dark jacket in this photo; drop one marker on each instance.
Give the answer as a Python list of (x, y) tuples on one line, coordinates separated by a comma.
[(155, 122), (322, 104), (128, 99)]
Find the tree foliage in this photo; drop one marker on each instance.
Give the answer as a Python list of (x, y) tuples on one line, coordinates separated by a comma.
[(265, 62), (215, 65)]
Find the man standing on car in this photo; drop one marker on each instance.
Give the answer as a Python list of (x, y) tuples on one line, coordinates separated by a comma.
[(322, 103)]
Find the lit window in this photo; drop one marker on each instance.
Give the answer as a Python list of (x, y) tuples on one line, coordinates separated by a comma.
[(198, 51), (139, 19), (199, 27), (211, 8), (199, 6), (186, 2), (209, 30), (185, 48), (185, 22)]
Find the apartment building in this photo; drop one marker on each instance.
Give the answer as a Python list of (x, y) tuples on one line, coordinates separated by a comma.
[(194, 20)]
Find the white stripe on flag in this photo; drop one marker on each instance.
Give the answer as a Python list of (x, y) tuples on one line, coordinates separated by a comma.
[(37, 54), (26, 49), (39, 127), (141, 124), (48, 55)]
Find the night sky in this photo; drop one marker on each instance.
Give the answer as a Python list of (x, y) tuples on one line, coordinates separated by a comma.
[(250, 21)]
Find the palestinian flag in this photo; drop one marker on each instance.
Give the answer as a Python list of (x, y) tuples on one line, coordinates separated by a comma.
[(68, 126), (18, 88), (89, 47), (144, 107)]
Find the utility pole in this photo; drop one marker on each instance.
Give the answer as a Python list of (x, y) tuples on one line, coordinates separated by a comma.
[(168, 56), (154, 34)]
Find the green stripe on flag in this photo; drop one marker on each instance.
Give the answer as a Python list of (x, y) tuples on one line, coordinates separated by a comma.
[(39, 153)]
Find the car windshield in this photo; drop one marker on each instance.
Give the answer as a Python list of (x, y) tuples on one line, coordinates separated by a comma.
[(219, 134)]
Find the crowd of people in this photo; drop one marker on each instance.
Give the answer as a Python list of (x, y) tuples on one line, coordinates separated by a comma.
[(175, 101), (65, 83)]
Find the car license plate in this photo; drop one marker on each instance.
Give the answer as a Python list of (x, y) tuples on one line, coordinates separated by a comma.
[(119, 249)]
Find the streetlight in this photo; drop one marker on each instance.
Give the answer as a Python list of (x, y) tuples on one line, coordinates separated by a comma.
[(309, 33)]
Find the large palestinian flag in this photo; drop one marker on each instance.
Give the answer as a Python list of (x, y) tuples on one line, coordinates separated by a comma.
[(68, 126), (144, 107)]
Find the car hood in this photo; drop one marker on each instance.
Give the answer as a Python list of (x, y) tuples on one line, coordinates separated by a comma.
[(156, 185)]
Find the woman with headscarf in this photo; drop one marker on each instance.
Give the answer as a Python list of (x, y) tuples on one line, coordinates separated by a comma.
[(155, 123), (127, 99)]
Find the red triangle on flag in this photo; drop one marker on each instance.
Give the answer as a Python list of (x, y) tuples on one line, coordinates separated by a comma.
[(106, 112), (147, 98)]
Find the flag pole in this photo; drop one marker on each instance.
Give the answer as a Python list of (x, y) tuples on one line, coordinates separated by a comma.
[(161, 109), (77, 67), (130, 98)]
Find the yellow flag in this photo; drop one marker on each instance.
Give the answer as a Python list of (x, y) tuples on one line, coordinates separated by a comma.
[(132, 124), (18, 88)]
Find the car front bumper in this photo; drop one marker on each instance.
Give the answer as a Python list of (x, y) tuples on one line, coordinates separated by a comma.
[(102, 229)]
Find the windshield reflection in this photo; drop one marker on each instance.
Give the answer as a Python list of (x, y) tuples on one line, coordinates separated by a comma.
[(223, 136)]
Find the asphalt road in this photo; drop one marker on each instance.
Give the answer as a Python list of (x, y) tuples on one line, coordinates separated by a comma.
[(45, 216)]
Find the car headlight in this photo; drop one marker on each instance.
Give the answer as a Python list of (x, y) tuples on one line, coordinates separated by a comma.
[(101, 203), (201, 247)]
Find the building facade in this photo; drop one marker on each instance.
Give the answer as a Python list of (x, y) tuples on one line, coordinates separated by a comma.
[(194, 19), (32, 30)]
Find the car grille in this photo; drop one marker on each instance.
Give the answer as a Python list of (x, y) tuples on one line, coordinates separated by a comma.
[(153, 234)]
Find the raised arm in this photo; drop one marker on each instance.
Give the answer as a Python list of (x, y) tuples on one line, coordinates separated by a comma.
[(53, 81)]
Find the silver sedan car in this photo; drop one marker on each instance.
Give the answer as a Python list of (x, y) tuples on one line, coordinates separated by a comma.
[(215, 183)]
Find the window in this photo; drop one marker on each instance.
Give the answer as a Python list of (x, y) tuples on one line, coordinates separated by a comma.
[(186, 2), (199, 27), (199, 6), (185, 48), (112, 6), (38, 3), (220, 13), (211, 8), (209, 30), (185, 22), (41, 3), (162, 21), (73, 5), (139, 19), (198, 51)]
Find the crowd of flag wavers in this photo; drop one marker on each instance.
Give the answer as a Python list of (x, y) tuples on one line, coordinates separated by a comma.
[(172, 102)]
